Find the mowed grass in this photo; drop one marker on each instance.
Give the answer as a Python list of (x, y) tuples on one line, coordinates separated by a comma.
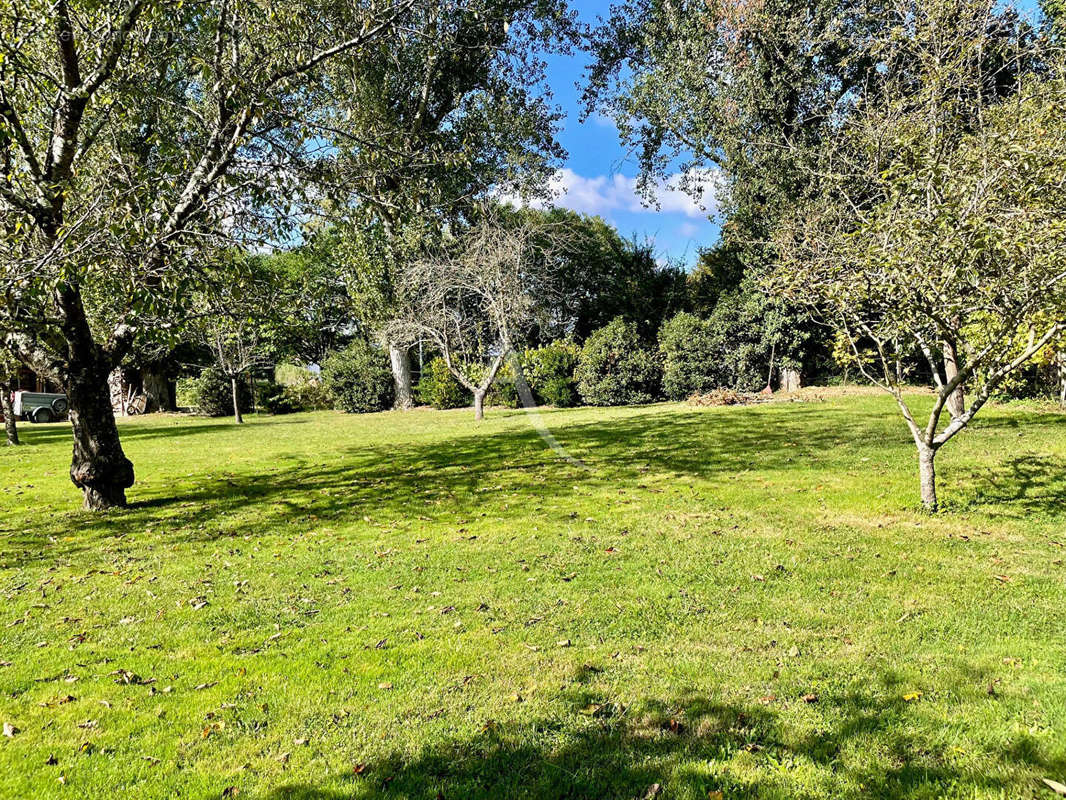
[(736, 600)]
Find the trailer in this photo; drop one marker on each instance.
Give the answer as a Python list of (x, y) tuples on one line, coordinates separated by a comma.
[(40, 406)]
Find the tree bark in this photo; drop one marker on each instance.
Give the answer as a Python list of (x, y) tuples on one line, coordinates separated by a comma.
[(236, 402), (957, 400), (99, 467), (10, 425), (401, 376), (479, 404), (927, 476), (156, 386), (790, 379)]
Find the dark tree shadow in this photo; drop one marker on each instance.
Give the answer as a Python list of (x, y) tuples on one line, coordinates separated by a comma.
[(450, 476), (620, 753)]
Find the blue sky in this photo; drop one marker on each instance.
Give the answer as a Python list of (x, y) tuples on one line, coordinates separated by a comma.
[(598, 177)]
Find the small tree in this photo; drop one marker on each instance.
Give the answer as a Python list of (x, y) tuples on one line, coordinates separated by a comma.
[(238, 320), (938, 228), (359, 379), (475, 297)]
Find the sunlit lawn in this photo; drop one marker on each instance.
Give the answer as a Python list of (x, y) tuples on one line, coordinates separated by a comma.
[(735, 600)]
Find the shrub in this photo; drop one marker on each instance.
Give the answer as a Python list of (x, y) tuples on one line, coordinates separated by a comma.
[(503, 391), (549, 370), (615, 368), (213, 394), (306, 394), (359, 379), (439, 388), (692, 357)]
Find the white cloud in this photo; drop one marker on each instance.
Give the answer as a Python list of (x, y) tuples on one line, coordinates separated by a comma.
[(691, 193)]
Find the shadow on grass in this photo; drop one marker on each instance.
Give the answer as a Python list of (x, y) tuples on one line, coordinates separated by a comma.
[(867, 747), (167, 428), (457, 475), (460, 475), (1018, 487)]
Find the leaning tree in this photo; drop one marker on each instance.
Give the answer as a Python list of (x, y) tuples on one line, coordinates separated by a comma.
[(937, 226), (131, 132)]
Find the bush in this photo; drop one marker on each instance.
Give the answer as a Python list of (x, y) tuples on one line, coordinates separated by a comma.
[(692, 357), (616, 369), (308, 394), (503, 391), (439, 388), (549, 370), (359, 378), (213, 394)]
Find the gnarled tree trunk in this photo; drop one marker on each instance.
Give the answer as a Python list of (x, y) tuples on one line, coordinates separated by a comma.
[(479, 404), (10, 425), (99, 467), (401, 377)]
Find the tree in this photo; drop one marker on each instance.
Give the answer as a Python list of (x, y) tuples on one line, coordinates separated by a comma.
[(131, 132), (600, 276), (464, 107), (746, 92), (476, 296), (937, 225), (8, 381), (237, 319)]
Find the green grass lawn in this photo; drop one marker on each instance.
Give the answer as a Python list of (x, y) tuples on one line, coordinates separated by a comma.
[(736, 600)]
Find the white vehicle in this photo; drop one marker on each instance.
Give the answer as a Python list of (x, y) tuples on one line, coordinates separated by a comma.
[(40, 406)]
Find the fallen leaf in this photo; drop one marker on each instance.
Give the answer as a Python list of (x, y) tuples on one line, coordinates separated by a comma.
[(1055, 786), (911, 696), (385, 685), (810, 698), (359, 769), (10, 731), (653, 791), (563, 643)]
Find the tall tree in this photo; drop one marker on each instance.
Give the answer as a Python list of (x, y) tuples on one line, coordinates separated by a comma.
[(8, 383), (130, 132), (464, 107), (743, 90)]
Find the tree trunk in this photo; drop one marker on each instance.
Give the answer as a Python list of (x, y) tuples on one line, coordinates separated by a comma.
[(10, 425), (927, 476), (479, 404), (957, 400), (157, 387), (790, 379), (99, 467), (401, 376), (236, 402)]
